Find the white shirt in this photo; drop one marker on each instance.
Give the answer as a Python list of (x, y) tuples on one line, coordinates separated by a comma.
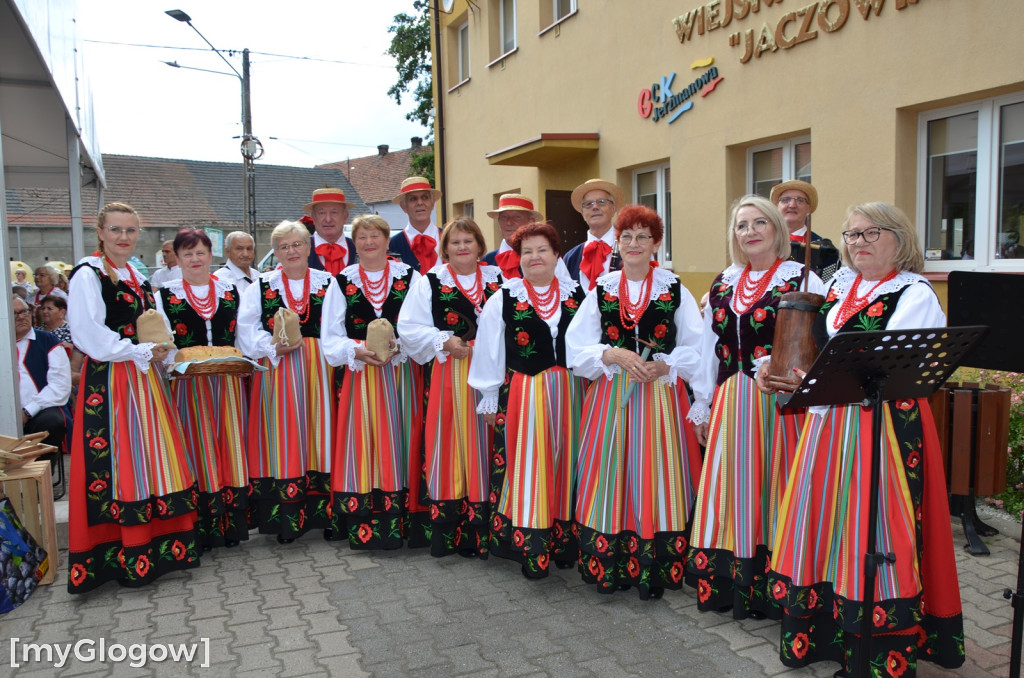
[(163, 276), (58, 378), (487, 371), (609, 239), (250, 337), (342, 242), (338, 348), (236, 275), (420, 337), (86, 316), (431, 230)]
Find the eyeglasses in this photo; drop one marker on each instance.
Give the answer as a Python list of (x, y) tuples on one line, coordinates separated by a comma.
[(600, 202), (117, 231), (758, 225), (869, 234), (297, 246), (796, 200), (24, 311), (640, 238)]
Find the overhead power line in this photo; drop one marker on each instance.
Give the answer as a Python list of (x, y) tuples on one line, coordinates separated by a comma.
[(233, 52)]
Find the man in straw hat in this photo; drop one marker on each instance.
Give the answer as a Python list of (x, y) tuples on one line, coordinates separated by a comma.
[(797, 200), (419, 242), (598, 201), (514, 210), (331, 251)]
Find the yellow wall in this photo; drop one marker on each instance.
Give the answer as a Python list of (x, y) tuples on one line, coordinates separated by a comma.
[(856, 91)]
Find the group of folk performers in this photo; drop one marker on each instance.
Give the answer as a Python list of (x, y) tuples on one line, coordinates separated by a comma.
[(523, 414)]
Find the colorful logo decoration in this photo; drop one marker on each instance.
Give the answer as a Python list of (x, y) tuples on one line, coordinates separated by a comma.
[(659, 101)]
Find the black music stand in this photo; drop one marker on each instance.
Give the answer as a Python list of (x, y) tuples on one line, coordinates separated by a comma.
[(868, 369), (995, 299)]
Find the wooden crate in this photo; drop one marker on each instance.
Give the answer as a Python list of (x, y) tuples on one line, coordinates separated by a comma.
[(31, 493)]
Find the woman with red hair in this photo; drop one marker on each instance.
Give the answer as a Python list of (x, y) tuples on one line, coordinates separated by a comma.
[(639, 461), (530, 398)]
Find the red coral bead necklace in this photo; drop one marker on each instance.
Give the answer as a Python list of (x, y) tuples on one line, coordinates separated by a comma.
[(300, 306), (852, 304), (474, 294), (376, 292), (204, 307), (747, 292), (630, 313), (546, 303)]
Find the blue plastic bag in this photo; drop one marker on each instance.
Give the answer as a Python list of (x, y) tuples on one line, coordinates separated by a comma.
[(22, 561)]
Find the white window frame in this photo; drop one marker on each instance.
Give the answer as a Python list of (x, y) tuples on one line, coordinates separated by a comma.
[(788, 146), (503, 29), (463, 51), (568, 5), (986, 209), (662, 190)]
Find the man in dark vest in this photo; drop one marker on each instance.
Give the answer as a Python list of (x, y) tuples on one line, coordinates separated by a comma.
[(44, 378), (514, 210), (598, 201), (331, 250), (419, 243), (797, 200)]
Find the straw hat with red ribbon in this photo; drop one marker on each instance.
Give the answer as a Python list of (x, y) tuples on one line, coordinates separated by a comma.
[(323, 196), (413, 184), (515, 202)]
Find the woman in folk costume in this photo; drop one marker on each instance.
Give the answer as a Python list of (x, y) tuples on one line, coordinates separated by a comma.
[(376, 453), (437, 323), (291, 405), (750, 440), (532, 401), (132, 491), (203, 311), (817, 567), (639, 460)]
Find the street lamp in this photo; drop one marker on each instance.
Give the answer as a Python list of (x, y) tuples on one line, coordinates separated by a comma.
[(251, 147)]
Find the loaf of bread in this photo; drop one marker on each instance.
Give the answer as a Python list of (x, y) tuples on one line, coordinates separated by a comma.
[(193, 353)]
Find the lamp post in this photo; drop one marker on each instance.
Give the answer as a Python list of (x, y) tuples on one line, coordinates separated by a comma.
[(251, 147)]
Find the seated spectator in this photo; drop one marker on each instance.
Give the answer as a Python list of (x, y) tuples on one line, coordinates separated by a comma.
[(46, 282), (45, 378), (53, 311)]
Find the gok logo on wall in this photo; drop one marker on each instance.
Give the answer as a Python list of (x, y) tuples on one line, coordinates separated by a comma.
[(661, 102)]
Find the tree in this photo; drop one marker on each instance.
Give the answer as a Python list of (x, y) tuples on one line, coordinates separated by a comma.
[(410, 47)]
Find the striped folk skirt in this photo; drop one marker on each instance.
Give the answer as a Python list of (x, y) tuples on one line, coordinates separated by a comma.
[(132, 489), (457, 454), (213, 412), (818, 552), (637, 480), (291, 412), (531, 497), (751, 443), (380, 424)]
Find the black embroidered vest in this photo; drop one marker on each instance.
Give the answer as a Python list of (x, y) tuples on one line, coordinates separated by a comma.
[(189, 328), (360, 312), (528, 346)]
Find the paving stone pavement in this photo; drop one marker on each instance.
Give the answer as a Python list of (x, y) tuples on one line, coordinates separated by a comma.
[(314, 608)]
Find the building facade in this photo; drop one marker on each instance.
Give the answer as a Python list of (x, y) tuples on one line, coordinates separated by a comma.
[(689, 105)]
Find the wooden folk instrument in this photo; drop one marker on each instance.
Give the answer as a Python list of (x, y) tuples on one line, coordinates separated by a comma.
[(793, 344)]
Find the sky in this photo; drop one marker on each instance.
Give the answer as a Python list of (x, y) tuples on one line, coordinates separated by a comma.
[(328, 105)]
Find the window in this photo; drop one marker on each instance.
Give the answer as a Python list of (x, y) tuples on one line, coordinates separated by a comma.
[(773, 163), (971, 185), (652, 188), (507, 27), (463, 43), (466, 209), (562, 8)]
